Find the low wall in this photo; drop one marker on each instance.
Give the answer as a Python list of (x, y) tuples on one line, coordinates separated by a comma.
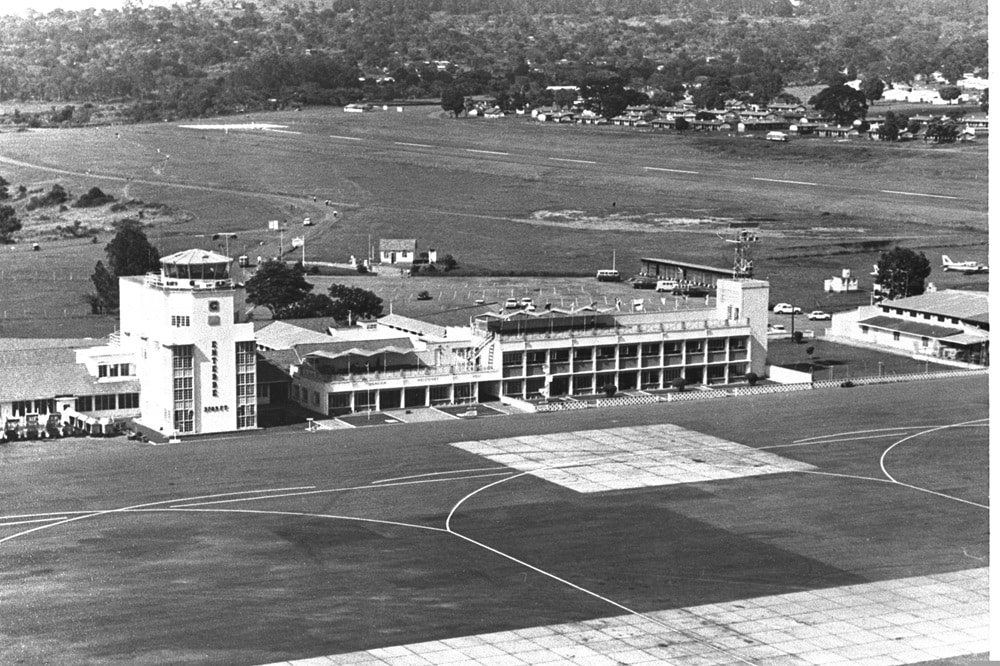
[(783, 375)]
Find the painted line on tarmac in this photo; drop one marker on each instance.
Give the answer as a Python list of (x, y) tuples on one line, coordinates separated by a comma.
[(485, 152), (669, 627), (566, 159), (455, 471), (788, 182), (830, 441), (298, 514), (415, 145), (336, 490), (283, 131), (649, 168), (890, 477), (919, 194), (126, 509), (345, 138), (36, 520)]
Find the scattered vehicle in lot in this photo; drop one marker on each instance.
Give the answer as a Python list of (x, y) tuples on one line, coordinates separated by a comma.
[(775, 328), (424, 296), (526, 302), (307, 222), (643, 282), (787, 308), (776, 136), (608, 275), (667, 285), (818, 315), (511, 304)]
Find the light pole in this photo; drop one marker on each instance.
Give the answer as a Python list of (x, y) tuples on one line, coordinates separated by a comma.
[(227, 236)]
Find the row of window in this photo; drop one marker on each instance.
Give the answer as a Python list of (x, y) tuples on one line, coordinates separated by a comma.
[(629, 351), (180, 321), (922, 315), (115, 370), (82, 403), (111, 401)]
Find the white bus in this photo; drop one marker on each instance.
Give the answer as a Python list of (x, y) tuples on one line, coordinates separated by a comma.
[(608, 275)]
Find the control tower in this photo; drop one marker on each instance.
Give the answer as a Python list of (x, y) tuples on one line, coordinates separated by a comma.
[(195, 359)]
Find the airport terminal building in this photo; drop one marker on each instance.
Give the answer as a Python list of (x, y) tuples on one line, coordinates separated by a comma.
[(186, 360)]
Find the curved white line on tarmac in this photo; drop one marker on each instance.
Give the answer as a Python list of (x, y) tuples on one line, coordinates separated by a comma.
[(36, 520), (862, 432), (336, 490), (454, 471), (881, 462), (293, 513), (94, 514), (897, 433), (447, 526)]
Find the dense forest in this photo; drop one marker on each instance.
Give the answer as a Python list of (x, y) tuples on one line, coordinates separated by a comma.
[(209, 57)]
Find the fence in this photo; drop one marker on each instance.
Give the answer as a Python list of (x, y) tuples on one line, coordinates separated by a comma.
[(710, 394)]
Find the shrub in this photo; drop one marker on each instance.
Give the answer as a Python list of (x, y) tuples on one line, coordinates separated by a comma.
[(680, 383), (797, 336), (847, 384), (752, 378), (610, 390), (93, 197)]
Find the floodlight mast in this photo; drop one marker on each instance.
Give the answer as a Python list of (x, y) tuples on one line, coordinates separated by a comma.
[(743, 236)]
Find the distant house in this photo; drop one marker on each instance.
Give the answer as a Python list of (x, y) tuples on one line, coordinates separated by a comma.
[(841, 283), (835, 131), (397, 250)]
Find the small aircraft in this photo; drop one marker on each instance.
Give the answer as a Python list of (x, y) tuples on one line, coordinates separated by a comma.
[(963, 266)]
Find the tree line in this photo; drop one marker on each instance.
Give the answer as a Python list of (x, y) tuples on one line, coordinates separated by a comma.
[(210, 57)]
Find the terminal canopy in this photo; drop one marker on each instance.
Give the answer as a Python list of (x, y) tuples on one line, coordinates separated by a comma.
[(196, 265)]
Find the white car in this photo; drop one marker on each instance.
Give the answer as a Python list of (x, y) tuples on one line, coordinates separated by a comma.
[(787, 308), (817, 315), (511, 304), (307, 222)]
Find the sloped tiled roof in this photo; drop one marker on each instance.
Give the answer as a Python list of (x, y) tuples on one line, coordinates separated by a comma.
[(954, 303), (30, 374), (397, 244), (359, 347), (282, 335), (414, 326)]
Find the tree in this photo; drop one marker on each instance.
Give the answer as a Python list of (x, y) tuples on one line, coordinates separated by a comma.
[(842, 102), (4, 194), (984, 101), (872, 89), (681, 123), (310, 305), (453, 100), (276, 286), (353, 303), (105, 300), (130, 252), (942, 130), (9, 224), (894, 124), (901, 272), (949, 93)]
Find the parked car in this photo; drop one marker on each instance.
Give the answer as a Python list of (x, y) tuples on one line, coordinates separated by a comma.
[(776, 136), (818, 315), (307, 222), (642, 282), (526, 302), (511, 304), (776, 328), (787, 308)]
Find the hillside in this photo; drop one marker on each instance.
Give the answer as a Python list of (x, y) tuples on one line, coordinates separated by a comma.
[(210, 57)]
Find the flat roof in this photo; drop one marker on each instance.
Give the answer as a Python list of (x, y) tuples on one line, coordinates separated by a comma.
[(684, 264)]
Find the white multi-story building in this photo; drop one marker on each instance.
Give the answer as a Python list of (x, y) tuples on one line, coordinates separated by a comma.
[(194, 357), (405, 363)]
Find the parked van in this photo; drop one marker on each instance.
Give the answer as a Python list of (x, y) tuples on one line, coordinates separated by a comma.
[(776, 136), (668, 285), (608, 275)]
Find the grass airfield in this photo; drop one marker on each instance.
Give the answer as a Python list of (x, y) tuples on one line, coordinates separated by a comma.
[(511, 196)]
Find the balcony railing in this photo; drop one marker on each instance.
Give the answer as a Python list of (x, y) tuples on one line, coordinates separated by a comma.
[(157, 280), (634, 329)]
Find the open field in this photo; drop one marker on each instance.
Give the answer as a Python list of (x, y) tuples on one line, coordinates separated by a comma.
[(287, 545), (512, 196)]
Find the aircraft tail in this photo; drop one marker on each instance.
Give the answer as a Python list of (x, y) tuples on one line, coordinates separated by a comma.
[(945, 259)]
